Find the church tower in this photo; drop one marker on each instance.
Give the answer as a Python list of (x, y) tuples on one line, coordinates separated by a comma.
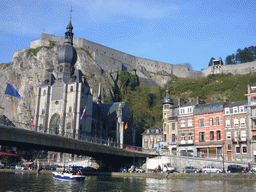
[(62, 100)]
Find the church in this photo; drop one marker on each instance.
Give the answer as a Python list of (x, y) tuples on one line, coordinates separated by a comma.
[(65, 107)]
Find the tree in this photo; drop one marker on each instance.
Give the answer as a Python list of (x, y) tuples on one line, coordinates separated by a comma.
[(210, 62), (188, 65), (228, 60)]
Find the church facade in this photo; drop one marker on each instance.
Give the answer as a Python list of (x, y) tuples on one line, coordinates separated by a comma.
[(65, 104)]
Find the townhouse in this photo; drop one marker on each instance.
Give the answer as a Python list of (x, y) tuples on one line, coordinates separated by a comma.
[(236, 130), (186, 130), (170, 122), (152, 137), (209, 129)]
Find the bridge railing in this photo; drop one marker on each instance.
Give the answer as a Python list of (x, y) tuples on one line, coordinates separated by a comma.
[(70, 135)]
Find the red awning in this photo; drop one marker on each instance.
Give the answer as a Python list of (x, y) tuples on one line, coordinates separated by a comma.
[(8, 154), (253, 132), (253, 95)]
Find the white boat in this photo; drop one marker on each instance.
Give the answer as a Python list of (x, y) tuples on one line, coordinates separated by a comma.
[(68, 176)]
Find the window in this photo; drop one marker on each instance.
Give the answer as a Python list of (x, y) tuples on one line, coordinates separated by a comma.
[(165, 106), (218, 135), (71, 89), (43, 111), (237, 149), (226, 111), (217, 120), (44, 92), (212, 135), (182, 111), (227, 123), (173, 126), (235, 110), (201, 136), (211, 121), (189, 122), (70, 109), (182, 123), (201, 122), (157, 131), (242, 122), (189, 136), (165, 115), (236, 122), (243, 135), (229, 147), (228, 135), (244, 149), (182, 137), (173, 137), (241, 109), (164, 126)]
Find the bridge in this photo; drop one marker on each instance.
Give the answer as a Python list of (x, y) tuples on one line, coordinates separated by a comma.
[(110, 153)]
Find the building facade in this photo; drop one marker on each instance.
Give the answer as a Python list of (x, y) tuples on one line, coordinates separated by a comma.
[(236, 130), (209, 129), (152, 138)]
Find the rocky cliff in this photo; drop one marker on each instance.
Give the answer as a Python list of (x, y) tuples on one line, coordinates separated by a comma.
[(29, 67)]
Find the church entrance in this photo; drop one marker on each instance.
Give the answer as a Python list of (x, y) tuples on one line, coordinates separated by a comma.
[(55, 126)]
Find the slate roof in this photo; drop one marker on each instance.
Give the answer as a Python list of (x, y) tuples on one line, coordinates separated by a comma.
[(209, 108), (152, 131), (236, 103)]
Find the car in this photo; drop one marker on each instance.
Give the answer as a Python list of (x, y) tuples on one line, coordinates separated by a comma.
[(235, 169), (190, 169), (122, 169), (211, 169), (21, 167), (139, 170)]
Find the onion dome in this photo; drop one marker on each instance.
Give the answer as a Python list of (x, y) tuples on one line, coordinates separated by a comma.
[(167, 99), (67, 53)]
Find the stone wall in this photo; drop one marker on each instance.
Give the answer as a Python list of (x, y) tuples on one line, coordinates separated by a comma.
[(179, 162), (113, 60), (243, 68)]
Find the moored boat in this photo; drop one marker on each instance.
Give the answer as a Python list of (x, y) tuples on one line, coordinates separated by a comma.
[(68, 176)]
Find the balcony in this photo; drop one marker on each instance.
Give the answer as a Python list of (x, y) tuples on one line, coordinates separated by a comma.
[(240, 140)]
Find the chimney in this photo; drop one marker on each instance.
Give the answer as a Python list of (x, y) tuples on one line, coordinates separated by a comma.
[(249, 89), (197, 100), (179, 102), (225, 100)]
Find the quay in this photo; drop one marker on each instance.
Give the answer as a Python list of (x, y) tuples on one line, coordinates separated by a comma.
[(199, 176)]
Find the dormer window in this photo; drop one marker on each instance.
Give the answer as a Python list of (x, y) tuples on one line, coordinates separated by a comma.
[(235, 110), (241, 109), (157, 131), (227, 111)]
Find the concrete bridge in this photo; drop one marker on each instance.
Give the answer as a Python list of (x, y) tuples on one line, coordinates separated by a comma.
[(110, 153)]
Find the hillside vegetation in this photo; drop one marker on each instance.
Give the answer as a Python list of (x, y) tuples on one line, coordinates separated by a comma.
[(146, 103)]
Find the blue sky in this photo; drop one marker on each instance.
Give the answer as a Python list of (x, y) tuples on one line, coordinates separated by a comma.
[(175, 32)]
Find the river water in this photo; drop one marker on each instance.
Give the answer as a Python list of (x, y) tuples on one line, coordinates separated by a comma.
[(44, 182)]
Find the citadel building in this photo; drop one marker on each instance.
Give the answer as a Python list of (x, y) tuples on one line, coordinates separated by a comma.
[(65, 107)]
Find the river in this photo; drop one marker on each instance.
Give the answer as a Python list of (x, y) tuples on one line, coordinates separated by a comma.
[(19, 181)]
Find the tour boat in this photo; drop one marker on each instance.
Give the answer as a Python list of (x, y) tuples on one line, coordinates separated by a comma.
[(68, 176)]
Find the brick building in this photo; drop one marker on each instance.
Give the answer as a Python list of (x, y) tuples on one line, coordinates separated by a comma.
[(209, 129), (236, 130)]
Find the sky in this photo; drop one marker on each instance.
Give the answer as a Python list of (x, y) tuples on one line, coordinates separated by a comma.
[(171, 31)]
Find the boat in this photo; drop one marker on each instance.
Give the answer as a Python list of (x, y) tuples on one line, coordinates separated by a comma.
[(68, 176)]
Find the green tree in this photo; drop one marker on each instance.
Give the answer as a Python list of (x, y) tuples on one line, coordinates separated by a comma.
[(210, 62)]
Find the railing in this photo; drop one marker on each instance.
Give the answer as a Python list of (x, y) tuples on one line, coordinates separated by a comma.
[(71, 135)]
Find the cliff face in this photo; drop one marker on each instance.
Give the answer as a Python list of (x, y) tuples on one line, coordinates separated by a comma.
[(29, 67)]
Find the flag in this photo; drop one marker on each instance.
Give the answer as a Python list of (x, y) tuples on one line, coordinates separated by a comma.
[(32, 122), (83, 114), (126, 125), (10, 90)]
